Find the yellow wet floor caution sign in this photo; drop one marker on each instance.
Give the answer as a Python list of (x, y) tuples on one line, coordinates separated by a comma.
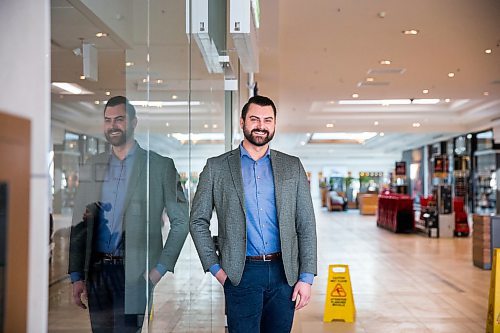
[(339, 304), (493, 318)]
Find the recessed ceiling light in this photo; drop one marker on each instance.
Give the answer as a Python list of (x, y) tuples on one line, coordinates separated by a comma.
[(416, 124), (101, 34), (167, 124), (486, 93), (487, 51), (174, 96), (97, 102), (159, 81), (129, 63), (370, 79), (375, 123), (205, 126), (410, 32), (447, 100), (146, 80), (469, 136), (425, 91), (355, 95), (108, 93), (329, 125), (451, 74), (385, 62), (82, 77), (381, 134), (215, 126)]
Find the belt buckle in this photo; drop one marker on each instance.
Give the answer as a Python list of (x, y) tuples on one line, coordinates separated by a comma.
[(107, 257), (264, 258)]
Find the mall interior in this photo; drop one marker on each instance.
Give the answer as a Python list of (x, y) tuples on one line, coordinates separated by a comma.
[(393, 108)]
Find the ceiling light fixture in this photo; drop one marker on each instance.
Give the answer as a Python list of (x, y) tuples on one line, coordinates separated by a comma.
[(425, 91), (385, 62), (215, 126), (487, 51), (359, 137), (329, 125), (355, 95), (205, 126), (486, 93), (164, 103), (129, 63), (97, 102), (382, 134), (174, 96), (370, 79), (447, 100), (451, 74), (82, 77), (108, 93), (410, 32), (416, 124), (406, 101), (375, 123), (71, 88), (101, 34), (167, 124)]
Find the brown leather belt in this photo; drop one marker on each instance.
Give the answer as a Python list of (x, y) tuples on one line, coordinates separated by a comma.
[(265, 257), (108, 258)]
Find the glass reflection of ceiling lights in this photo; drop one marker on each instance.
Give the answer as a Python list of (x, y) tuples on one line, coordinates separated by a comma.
[(65, 88), (199, 138), (339, 137)]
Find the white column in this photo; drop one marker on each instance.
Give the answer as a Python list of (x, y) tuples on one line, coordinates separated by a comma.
[(25, 92)]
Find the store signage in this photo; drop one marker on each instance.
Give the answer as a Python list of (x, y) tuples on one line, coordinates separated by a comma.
[(339, 304), (400, 168), (440, 164)]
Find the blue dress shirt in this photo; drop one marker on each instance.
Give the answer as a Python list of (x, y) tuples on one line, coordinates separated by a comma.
[(263, 236)]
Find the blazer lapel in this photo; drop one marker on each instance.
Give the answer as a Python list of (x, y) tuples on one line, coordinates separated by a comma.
[(278, 174), (234, 161), (139, 164)]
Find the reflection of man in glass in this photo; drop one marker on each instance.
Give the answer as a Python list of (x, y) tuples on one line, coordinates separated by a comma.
[(116, 251)]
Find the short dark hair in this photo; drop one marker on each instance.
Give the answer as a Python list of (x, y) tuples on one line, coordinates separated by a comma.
[(259, 100), (119, 100)]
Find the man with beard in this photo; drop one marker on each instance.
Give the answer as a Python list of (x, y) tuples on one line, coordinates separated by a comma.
[(117, 254), (266, 257)]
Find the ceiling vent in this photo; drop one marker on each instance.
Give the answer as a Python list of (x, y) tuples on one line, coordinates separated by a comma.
[(376, 71), (373, 83)]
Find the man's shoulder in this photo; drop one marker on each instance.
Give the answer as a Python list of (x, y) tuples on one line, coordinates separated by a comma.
[(284, 156), (222, 157)]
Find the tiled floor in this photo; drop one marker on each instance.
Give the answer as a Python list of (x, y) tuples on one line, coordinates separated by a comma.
[(401, 283)]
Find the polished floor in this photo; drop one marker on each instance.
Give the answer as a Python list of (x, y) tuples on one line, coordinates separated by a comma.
[(401, 283)]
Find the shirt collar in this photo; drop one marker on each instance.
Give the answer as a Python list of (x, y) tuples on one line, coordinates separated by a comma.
[(130, 153), (244, 152)]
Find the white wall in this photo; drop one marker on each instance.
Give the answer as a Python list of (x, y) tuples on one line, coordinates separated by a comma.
[(25, 91)]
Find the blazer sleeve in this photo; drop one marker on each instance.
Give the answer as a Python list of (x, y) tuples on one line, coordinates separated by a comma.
[(201, 214), (305, 223), (177, 210)]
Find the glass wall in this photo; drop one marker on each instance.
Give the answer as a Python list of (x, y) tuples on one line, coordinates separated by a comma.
[(122, 184)]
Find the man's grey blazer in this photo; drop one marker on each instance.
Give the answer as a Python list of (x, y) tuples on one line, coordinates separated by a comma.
[(142, 219), (221, 187)]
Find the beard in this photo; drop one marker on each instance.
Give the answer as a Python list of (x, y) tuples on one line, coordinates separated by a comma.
[(117, 140), (257, 140)]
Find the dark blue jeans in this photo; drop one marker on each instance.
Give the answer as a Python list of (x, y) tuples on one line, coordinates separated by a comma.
[(106, 294), (262, 302)]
